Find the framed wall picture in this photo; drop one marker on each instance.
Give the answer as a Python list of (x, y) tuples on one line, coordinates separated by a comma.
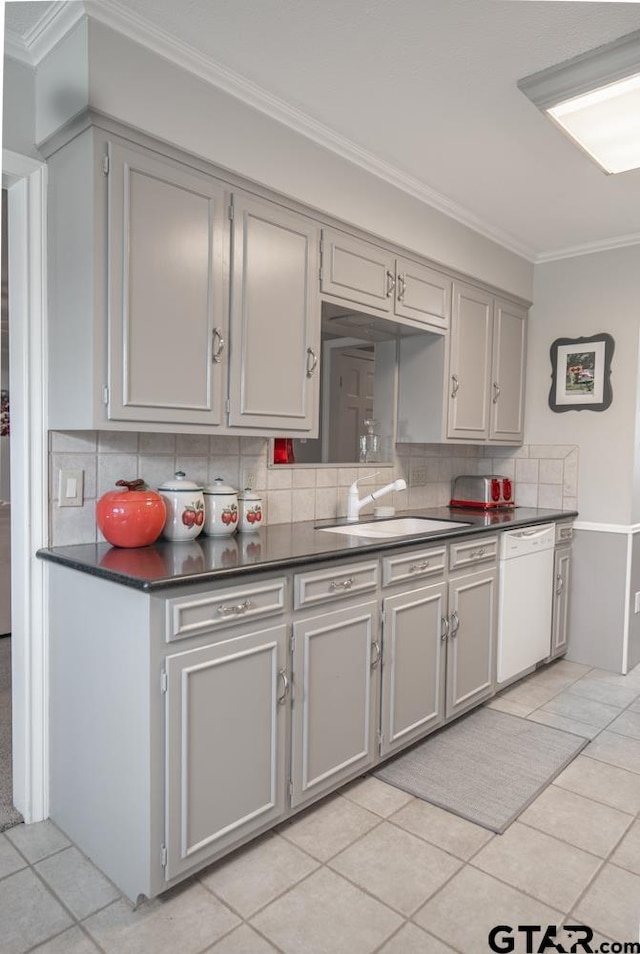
[(581, 373)]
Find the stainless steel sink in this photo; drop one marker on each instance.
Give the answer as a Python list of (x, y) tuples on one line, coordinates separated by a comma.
[(395, 527)]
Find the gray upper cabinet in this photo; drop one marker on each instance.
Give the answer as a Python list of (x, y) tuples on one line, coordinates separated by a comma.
[(372, 278), (166, 317), (470, 363), (275, 319), (508, 379)]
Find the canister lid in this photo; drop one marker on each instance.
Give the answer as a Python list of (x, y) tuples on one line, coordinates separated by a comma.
[(248, 494), (219, 487), (179, 482)]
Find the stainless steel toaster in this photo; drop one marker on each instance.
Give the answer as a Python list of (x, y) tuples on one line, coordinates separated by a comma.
[(488, 491)]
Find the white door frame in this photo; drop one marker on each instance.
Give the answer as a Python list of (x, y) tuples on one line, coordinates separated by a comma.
[(26, 181)]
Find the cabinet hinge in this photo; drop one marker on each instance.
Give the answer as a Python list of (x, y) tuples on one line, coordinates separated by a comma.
[(380, 741), (290, 787), (105, 395), (227, 405), (231, 213), (383, 615), (163, 681), (292, 644), (105, 165), (163, 855)]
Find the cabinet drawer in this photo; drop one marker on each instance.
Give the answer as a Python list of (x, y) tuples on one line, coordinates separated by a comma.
[(564, 533), (472, 552), (414, 565), (325, 585), (192, 615)]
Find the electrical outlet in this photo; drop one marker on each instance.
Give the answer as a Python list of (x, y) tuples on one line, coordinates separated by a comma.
[(249, 479), (70, 488), (637, 606)]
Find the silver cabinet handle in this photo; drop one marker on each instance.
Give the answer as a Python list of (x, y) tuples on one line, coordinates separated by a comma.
[(311, 365), (455, 386), (419, 567), (236, 610), (216, 352), (342, 584), (444, 632), (496, 392), (455, 624), (376, 659), (402, 287), (282, 674), (391, 283), (476, 554), (560, 581)]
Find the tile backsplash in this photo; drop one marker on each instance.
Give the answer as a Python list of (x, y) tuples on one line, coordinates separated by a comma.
[(545, 475)]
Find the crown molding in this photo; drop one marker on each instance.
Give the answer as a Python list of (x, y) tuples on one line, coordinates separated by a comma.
[(52, 26), (591, 248)]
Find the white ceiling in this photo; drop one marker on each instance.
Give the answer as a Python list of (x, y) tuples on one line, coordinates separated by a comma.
[(424, 91)]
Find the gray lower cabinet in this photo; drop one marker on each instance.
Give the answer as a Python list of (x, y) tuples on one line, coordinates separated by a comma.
[(275, 319), (225, 744), (560, 606), (334, 698), (471, 640)]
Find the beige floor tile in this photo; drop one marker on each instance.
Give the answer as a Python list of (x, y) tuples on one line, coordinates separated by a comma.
[(527, 695), (72, 941), (618, 750), (472, 903), (456, 835), (578, 820), (627, 854), (627, 724), (512, 708), (37, 841), (376, 796), (635, 706), (561, 722), (29, 914), (329, 827), (631, 680), (257, 874), (413, 940), (602, 782), (551, 871), (612, 904), (244, 940), (610, 694), (186, 920), (77, 883), (582, 709), (552, 679), (325, 914), (396, 867), (568, 668), (10, 859)]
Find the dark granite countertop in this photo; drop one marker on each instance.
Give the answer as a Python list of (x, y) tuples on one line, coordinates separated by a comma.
[(279, 547)]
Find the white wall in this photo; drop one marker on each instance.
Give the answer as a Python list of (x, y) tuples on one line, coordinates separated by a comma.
[(166, 101), (581, 297), (18, 108)]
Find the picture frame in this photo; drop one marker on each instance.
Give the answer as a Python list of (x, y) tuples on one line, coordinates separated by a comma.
[(581, 373)]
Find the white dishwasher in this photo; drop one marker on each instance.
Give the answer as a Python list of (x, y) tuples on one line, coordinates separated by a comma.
[(526, 593)]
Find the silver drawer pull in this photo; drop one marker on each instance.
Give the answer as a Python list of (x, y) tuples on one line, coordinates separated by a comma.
[(391, 283), (560, 586), (378, 653), (455, 624), (445, 627), (419, 567), (455, 385), (476, 554), (312, 361), (216, 352), (236, 610), (341, 584), (282, 674)]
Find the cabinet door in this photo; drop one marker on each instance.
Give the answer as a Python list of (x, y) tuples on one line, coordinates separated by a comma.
[(413, 654), (335, 665), (167, 318), (275, 319), (560, 612), (470, 363), (225, 744), (471, 643), (357, 271), (507, 384), (422, 294)]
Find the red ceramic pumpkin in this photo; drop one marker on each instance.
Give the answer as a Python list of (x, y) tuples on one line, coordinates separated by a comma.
[(132, 517)]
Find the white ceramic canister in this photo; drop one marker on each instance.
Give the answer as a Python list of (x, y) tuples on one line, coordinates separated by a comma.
[(220, 509), (251, 514), (185, 508)]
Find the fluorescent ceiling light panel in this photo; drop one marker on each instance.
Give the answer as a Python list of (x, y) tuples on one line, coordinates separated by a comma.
[(595, 99)]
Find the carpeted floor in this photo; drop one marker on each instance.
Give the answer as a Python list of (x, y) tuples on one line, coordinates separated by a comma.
[(8, 814)]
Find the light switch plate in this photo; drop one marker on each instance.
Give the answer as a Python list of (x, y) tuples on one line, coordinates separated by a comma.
[(70, 488)]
